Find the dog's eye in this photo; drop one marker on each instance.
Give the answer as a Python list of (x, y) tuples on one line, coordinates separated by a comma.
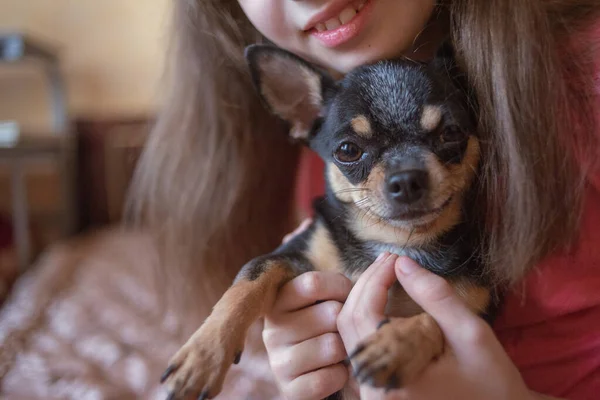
[(348, 152), (452, 134)]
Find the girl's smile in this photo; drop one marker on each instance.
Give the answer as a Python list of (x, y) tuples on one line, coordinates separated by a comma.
[(340, 22), (340, 35)]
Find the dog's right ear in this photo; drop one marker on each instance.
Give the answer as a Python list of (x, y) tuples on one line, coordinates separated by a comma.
[(292, 88)]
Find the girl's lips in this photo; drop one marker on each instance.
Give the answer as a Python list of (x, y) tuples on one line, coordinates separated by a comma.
[(338, 36)]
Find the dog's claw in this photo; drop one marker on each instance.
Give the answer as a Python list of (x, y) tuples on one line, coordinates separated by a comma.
[(171, 396), (392, 384), (170, 369), (382, 323), (368, 373), (238, 357), (397, 352), (357, 371), (357, 351), (204, 395)]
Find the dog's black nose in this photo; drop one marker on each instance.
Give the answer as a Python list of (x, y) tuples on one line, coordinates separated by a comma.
[(407, 186)]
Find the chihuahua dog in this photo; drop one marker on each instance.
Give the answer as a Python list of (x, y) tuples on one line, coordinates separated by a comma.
[(399, 141)]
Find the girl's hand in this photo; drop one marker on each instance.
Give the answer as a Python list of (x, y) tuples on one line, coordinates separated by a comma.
[(300, 333), (474, 364)]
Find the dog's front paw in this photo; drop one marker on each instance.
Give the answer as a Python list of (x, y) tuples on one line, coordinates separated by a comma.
[(397, 352), (199, 368)]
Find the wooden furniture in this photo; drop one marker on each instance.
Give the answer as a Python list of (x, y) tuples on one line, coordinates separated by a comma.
[(109, 149), (58, 146)]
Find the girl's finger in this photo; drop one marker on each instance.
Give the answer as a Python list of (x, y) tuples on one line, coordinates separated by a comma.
[(435, 295), (311, 287), (317, 384), (310, 355), (369, 295), (365, 306), (372, 294), (294, 327)]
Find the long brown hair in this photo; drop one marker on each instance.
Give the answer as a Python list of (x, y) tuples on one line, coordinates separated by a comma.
[(516, 56), (216, 179)]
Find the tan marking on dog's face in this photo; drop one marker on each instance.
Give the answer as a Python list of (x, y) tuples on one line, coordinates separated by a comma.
[(431, 117), (322, 252), (445, 182), (376, 180), (476, 297), (367, 224), (362, 126), (449, 217), (342, 188), (454, 179), (370, 227), (463, 173), (346, 192)]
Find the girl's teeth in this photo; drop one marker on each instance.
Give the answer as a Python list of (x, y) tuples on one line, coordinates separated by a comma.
[(359, 4), (347, 15), (333, 23)]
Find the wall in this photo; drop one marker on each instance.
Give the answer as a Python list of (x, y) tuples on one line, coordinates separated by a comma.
[(111, 54), (111, 51)]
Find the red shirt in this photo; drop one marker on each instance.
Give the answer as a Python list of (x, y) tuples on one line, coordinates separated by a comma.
[(550, 327)]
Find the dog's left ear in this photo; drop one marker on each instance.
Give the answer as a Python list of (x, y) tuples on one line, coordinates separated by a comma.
[(292, 88), (445, 57)]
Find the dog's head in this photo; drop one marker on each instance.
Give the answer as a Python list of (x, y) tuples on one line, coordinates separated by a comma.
[(398, 136)]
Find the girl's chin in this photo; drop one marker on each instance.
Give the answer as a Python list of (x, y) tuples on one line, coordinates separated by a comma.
[(343, 62)]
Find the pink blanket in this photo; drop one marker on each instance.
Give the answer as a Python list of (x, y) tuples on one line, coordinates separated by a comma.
[(87, 323)]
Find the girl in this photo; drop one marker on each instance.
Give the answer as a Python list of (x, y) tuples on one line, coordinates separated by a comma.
[(217, 179)]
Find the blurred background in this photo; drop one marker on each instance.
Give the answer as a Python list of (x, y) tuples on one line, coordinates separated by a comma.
[(88, 317), (78, 90)]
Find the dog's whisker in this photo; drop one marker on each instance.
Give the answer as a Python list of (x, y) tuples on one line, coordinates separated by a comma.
[(357, 217), (350, 190), (364, 202)]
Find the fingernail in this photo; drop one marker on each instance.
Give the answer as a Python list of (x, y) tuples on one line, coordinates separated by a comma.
[(406, 265), (381, 256)]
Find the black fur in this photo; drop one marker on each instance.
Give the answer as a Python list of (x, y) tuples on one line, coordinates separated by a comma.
[(403, 136), (454, 254), (391, 95)]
